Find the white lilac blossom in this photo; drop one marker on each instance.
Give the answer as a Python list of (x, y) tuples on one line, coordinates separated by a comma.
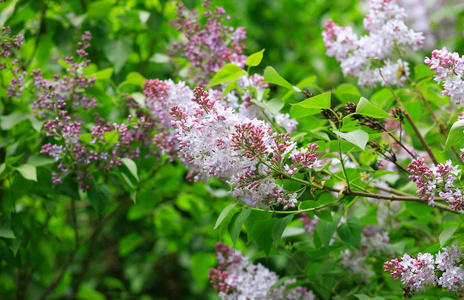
[(369, 57), (449, 68), (237, 278), (440, 178), (444, 269), (215, 141)]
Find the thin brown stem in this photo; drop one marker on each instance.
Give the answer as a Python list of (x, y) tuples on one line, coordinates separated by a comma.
[(411, 122)]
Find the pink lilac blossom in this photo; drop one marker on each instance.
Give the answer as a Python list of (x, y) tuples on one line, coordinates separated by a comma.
[(210, 46), (416, 273), (449, 68), (368, 57), (440, 178), (237, 278), (215, 141)]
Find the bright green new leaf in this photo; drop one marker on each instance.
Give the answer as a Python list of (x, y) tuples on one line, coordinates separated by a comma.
[(235, 225), (279, 228), (227, 73), (111, 138), (455, 135), (319, 101), (103, 74), (271, 76), (255, 59), (365, 297), (131, 166), (446, 234), (28, 171), (423, 71), (350, 232), (366, 108), (347, 93), (274, 105), (357, 137), (223, 215), (135, 78)]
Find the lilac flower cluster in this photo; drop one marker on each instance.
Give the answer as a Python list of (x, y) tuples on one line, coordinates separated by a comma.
[(237, 278), (208, 47), (373, 239), (78, 151), (448, 67), (309, 224), (368, 57), (9, 44), (439, 178), (215, 141), (416, 273)]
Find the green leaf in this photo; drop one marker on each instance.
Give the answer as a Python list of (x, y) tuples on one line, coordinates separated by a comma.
[(347, 93), (255, 59), (99, 196), (262, 233), (235, 225), (230, 87), (319, 101), (446, 234), (366, 108), (325, 230), (118, 51), (357, 137), (99, 8), (224, 214), (135, 78), (201, 263), (271, 76), (423, 71), (350, 232), (131, 166), (365, 297), (6, 232), (28, 171), (129, 243), (111, 138), (279, 228), (104, 74), (274, 105), (227, 73), (10, 121), (87, 293), (455, 135)]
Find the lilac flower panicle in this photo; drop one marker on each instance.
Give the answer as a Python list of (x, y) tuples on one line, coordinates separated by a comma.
[(216, 141), (210, 46), (449, 68), (440, 178), (416, 273), (237, 278), (368, 57)]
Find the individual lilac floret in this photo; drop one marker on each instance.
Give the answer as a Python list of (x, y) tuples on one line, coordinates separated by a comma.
[(368, 57), (440, 178), (237, 278), (448, 67), (416, 273), (209, 46)]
